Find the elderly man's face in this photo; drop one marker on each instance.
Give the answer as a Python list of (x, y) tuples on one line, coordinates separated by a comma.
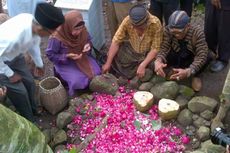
[(179, 33), (140, 28)]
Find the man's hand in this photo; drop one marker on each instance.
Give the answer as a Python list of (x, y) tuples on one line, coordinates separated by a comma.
[(179, 74), (15, 78), (39, 72), (74, 56), (106, 68), (216, 3), (86, 48), (159, 66), (2, 91), (140, 71)]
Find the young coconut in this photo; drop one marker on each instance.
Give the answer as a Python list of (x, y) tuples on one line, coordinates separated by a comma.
[(143, 100), (168, 109)]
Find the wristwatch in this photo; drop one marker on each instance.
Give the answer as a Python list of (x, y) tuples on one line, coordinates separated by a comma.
[(192, 71)]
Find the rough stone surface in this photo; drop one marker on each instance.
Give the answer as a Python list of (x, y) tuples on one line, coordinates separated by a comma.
[(168, 89), (186, 91), (63, 119), (105, 83), (148, 75), (207, 114), (201, 103), (146, 86), (157, 79), (182, 101), (59, 138), (199, 122), (203, 133), (185, 117), (209, 147)]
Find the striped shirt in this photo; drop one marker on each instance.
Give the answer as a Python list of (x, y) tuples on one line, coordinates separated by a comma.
[(151, 39), (195, 43)]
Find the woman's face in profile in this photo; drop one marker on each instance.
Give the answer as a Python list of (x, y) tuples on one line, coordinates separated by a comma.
[(78, 28)]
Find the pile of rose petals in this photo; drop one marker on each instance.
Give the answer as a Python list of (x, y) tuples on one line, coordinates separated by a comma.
[(127, 130)]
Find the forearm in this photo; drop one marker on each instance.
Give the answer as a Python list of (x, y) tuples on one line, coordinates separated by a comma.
[(150, 56), (112, 52), (199, 59), (54, 53)]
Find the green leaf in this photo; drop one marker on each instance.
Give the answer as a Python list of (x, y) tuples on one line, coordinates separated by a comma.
[(73, 150), (137, 124), (156, 124)]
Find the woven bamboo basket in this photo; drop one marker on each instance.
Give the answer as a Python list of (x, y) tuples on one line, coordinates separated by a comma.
[(53, 95)]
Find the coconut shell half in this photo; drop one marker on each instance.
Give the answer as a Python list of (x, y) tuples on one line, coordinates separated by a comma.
[(143, 100), (168, 109)]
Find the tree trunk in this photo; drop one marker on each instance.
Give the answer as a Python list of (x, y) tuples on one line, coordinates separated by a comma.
[(217, 121)]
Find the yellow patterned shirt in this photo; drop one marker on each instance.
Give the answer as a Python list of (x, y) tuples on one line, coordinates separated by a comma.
[(150, 40)]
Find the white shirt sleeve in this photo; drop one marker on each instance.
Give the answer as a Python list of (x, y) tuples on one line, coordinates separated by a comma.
[(5, 69), (35, 52)]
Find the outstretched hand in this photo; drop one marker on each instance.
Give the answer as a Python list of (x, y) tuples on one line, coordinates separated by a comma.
[(159, 66), (106, 68), (179, 74), (3, 91), (140, 71), (74, 56)]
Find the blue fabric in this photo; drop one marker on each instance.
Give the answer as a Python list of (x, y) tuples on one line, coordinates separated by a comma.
[(16, 7), (179, 19), (120, 1)]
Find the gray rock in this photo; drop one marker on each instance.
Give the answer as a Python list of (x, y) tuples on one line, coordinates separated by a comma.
[(76, 102), (53, 131), (86, 96), (198, 151), (209, 147), (186, 91), (47, 134), (190, 130), (195, 117), (168, 89), (134, 83), (122, 81), (63, 119), (182, 101), (203, 133), (148, 75), (71, 110), (185, 117), (201, 103), (60, 148), (105, 83), (207, 123), (196, 144), (199, 122), (157, 79), (207, 114), (146, 86), (59, 138)]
